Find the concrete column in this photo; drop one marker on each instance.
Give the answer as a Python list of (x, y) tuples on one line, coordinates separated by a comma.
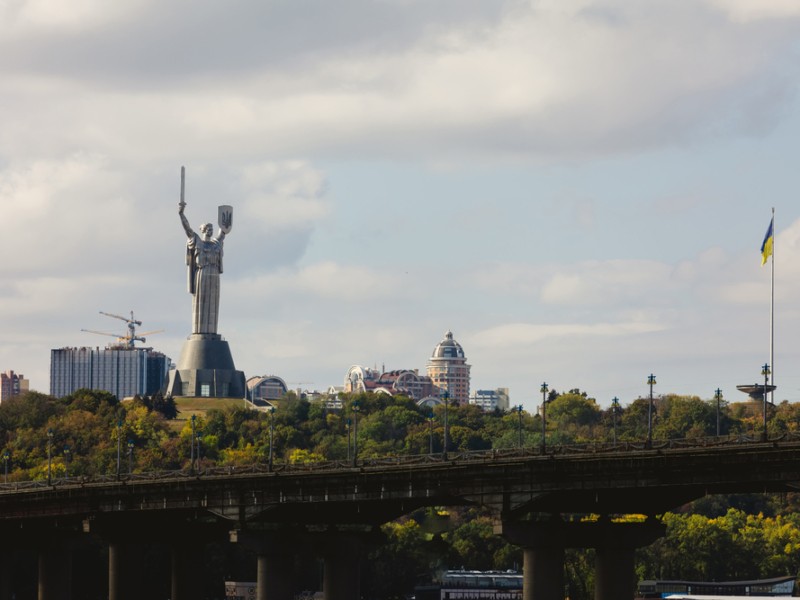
[(124, 572), (543, 573), (187, 572), (5, 575), (55, 573), (274, 576), (614, 573), (543, 544), (341, 579), (615, 544)]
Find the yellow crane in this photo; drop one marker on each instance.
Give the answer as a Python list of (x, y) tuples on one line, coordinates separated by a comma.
[(125, 341)]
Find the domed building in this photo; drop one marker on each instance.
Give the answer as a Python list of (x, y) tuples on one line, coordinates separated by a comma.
[(448, 369)]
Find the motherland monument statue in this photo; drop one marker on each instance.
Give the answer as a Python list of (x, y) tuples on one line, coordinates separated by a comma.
[(206, 366)]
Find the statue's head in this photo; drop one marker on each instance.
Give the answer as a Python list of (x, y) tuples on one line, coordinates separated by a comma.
[(206, 230)]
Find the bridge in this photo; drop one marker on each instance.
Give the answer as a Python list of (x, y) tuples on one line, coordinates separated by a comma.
[(335, 509)]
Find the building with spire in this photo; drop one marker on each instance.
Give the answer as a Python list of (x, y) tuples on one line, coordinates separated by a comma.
[(448, 369)]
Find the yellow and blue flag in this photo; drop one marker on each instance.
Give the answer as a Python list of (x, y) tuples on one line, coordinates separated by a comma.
[(766, 245)]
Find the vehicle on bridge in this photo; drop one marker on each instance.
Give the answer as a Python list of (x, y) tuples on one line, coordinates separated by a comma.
[(710, 590)]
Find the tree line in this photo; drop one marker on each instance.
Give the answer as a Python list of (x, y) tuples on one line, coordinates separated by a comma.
[(733, 537)]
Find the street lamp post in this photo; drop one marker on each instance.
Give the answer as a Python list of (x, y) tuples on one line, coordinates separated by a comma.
[(355, 432), (718, 398), (119, 445), (519, 429), (446, 398), (614, 410), (271, 436), (191, 446), (347, 425), (6, 458), (543, 390), (766, 373), (197, 449), (67, 454), (130, 457), (651, 381), (49, 456), (430, 431)]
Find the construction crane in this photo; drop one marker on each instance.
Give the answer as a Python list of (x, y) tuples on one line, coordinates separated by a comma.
[(125, 341)]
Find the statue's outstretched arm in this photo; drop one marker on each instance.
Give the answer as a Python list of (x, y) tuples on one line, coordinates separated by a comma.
[(186, 227)]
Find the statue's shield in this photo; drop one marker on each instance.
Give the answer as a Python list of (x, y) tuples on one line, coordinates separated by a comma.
[(225, 218)]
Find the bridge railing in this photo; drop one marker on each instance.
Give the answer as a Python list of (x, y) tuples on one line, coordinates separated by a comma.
[(404, 461)]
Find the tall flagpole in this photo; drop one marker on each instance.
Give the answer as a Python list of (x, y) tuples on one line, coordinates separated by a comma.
[(772, 315)]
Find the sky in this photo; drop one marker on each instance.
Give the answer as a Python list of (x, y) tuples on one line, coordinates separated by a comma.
[(577, 189)]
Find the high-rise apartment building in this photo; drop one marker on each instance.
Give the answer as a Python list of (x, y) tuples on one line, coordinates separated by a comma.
[(125, 372), (12, 384), (448, 369)]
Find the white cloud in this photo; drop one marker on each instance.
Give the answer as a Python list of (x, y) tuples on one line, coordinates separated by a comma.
[(55, 17), (541, 80), (289, 194), (324, 281), (516, 335), (745, 11), (608, 283)]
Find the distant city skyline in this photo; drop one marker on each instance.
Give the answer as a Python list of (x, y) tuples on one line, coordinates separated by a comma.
[(578, 189)]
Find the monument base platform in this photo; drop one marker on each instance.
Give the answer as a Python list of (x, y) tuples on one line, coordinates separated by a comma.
[(206, 370)]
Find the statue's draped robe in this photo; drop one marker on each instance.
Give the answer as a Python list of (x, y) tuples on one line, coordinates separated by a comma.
[(204, 261)]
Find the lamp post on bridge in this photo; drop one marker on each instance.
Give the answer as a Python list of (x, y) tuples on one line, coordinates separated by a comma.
[(6, 458), (67, 455), (430, 431), (119, 445), (651, 381), (718, 398), (519, 415), (446, 398), (347, 425), (191, 446), (614, 411), (49, 455), (543, 390), (271, 436), (355, 432), (130, 457), (766, 373)]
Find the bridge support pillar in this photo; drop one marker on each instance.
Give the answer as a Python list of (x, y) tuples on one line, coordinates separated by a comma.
[(614, 574), (55, 573), (342, 553), (543, 543), (5, 575), (543, 573), (187, 572), (124, 572), (342, 575), (614, 545), (274, 579), (275, 551)]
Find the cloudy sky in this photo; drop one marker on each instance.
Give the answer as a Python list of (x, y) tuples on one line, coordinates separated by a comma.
[(578, 189)]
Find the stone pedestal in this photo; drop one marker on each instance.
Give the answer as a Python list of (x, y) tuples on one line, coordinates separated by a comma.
[(206, 369)]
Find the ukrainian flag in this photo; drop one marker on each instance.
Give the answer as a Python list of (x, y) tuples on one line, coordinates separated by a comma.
[(766, 245)]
